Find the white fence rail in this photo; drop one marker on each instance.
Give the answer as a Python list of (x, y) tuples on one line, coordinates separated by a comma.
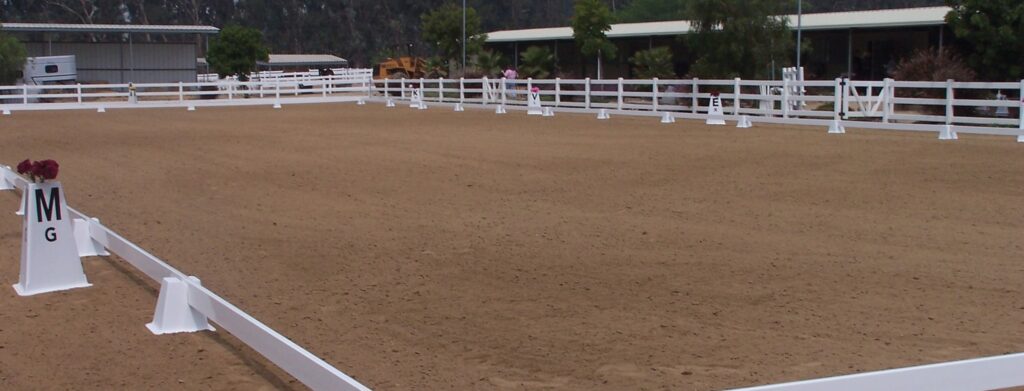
[(983, 108), (292, 358)]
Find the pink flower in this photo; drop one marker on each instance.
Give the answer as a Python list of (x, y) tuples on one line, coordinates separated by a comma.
[(24, 167), (535, 89)]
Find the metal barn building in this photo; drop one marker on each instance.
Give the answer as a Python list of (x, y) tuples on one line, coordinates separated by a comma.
[(109, 53)]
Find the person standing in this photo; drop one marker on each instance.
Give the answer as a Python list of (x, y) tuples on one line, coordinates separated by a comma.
[(510, 80)]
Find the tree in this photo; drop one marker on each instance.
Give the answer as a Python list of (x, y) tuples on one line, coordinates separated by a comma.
[(236, 51), (442, 29), (653, 63), (12, 59), (537, 62), (589, 24), (739, 38), (652, 10), (489, 63), (991, 31)]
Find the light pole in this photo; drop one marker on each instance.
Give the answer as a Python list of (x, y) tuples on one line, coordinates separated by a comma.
[(799, 30), (463, 37)]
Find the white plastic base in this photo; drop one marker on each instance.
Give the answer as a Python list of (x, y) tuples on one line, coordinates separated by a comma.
[(836, 127), (947, 133), (744, 123), (277, 105), (361, 102), (101, 110), (715, 121), (7, 112), (667, 118), (421, 106), (390, 103), (499, 110), (535, 110), (87, 246), (603, 114), (191, 108), (1020, 139), (549, 112), (459, 107), (173, 313)]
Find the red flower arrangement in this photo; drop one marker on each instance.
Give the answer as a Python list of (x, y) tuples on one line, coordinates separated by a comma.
[(40, 170)]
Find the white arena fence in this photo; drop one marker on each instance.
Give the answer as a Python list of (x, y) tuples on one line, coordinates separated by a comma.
[(979, 108), (312, 74), (271, 91), (289, 356)]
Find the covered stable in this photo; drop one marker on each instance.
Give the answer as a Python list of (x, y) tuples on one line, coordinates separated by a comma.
[(860, 44), (119, 53), (301, 62)]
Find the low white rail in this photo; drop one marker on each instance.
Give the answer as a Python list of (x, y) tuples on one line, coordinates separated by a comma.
[(981, 108), (292, 358), (989, 373)]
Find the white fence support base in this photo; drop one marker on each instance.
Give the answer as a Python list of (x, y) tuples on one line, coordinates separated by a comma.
[(87, 246), (191, 108), (1020, 139), (7, 112), (947, 133), (173, 313), (277, 105), (500, 109), (421, 106), (361, 102), (744, 123), (101, 110), (836, 127), (603, 114), (459, 108), (667, 118), (549, 112), (390, 103)]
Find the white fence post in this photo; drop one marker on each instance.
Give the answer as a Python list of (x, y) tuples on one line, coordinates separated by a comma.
[(654, 94), (423, 89), (887, 98), (462, 90), (618, 105), (949, 102), (847, 85), (24, 95), (558, 91), (403, 88), (1020, 110), (586, 95), (181, 92), (440, 89), (231, 89), (785, 98), (387, 94), (78, 89), (529, 86), (736, 96), (837, 109), (693, 99), (503, 88)]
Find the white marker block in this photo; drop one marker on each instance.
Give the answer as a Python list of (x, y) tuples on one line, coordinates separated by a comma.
[(1020, 139), (500, 109), (101, 110), (533, 106), (173, 313), (459, 107), (667, 118), (277, 105), (744, 123), (603, 114), (715, 114), (549, 112), (191, 108), (947, 133), (87, 246), (361, 102), (836, 127), (390, 103), (49, 258), (7, 111)]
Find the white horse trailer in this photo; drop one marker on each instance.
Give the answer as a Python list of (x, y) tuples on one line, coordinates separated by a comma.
[(50, 70)]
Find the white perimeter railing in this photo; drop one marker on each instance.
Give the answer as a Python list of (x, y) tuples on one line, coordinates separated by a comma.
[(981, 108), (292, 358), (225, 92)]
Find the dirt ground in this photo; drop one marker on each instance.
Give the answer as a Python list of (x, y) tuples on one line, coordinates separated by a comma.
[(431, 250)]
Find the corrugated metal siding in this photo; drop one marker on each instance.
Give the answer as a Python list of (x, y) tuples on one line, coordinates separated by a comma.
[(113, 62)]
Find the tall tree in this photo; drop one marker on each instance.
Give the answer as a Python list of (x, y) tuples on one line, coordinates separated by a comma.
[(992, 31), (589, 24), (12, 59), (442, 29), (739, 38), (236, 51)]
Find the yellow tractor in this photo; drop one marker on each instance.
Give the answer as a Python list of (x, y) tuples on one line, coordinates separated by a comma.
[(407, 67)]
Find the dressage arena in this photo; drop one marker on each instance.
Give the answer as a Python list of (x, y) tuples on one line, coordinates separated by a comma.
[(434, 250)]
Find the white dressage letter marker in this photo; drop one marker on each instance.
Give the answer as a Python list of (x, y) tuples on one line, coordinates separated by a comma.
[(49, 258), (173, 313), (715, 114), (533, 104)]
